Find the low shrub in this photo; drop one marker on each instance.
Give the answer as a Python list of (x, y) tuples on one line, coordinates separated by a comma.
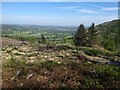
[(49, 64)]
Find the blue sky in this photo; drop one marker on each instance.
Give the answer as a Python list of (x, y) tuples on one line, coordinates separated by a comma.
[(59, 0), (59, 13)]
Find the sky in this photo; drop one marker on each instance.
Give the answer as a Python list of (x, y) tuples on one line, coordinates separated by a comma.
[(58, 13), (60, 0)]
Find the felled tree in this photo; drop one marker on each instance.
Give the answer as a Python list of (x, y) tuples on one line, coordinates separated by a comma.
[(80, 36), (91, 35)]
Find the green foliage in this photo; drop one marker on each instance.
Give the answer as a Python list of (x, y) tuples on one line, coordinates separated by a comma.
[(91, 35), (63, 47), (85, 37), (23, 38), (13, 62), (49, 64), (108, 74), (109, 44), (110, 33), (95, 52), (117, 38), (42, 39), (80, 37)]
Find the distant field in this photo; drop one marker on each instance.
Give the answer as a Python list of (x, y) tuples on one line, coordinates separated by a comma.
[(52, 34)]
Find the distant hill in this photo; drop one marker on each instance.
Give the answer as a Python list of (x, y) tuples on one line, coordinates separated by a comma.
[(109, 33), (9, 28)]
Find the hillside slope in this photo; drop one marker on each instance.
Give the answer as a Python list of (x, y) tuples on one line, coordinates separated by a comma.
[(109, 34), (57, 66)]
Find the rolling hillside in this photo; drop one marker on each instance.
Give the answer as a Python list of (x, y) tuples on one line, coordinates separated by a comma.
[(109, 34)]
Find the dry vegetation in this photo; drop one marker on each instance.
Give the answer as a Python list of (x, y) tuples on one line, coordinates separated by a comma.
[(57, 66)]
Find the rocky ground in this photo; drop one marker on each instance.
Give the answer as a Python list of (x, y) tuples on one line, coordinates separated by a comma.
[(29, 65)]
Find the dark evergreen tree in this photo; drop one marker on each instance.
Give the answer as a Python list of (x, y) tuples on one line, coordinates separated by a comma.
[(80, 36), (91, 35)]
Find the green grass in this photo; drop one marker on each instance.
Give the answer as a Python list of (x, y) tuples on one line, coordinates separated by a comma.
[(49, 64), (29, 38), (95, 52), (14, 62), (107, 71)]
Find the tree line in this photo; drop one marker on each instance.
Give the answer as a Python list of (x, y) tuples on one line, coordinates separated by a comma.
[(82, 37), (85, 37)]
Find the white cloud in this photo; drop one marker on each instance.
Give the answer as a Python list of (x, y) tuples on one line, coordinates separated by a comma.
[(110, 9), (70, 7), (86, 11), (96, 6), (103, 8)]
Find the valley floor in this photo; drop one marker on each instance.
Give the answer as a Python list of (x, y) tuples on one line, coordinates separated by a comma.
[(61, 66)]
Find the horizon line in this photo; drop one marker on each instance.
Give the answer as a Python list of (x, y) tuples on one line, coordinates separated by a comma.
[(59, 25)]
